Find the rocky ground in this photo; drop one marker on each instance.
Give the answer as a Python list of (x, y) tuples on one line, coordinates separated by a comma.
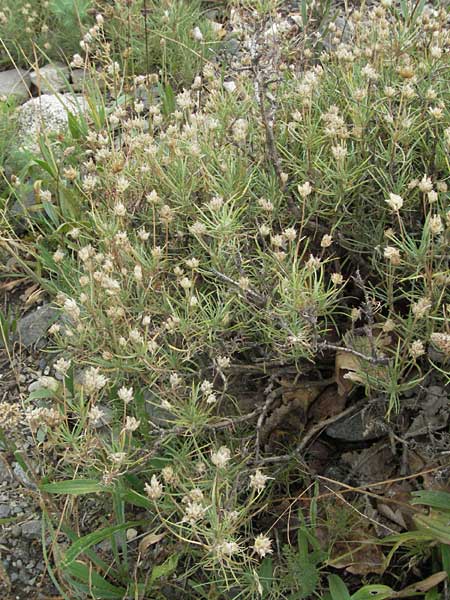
[(22, 570)]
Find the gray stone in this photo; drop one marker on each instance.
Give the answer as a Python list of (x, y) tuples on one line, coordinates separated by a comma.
[(44, 382), (344, 31), (436, 355), (32, 329), (161, 416), (27, 201), (15, 83), (5, 473), (231, 46), (51, 78), (212, 14), (32, 529), (25, 208), (47, 114), (22, 477), (16, 531), (434, 414), (81, 79), (355, 429), (5, 511)]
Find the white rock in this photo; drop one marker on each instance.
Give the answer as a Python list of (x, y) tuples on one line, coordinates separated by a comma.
[(44, 382), (15, 83), (51, 78), (46, 114), (229, 86), (131, 534)]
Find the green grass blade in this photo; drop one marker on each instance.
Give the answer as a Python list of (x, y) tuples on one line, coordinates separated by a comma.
[(74, 487)]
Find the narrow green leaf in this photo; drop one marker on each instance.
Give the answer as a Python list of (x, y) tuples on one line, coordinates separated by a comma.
[(168, 99), (69, 204), (136, 499), (165, 569), (265, 575), (51, 212), (93, 557), (46, 166), (338, 589), (445, 556), (304, 9), (75, 487), (435, 499), (437, 525), (94, 583), (84, 543), (74, 127)]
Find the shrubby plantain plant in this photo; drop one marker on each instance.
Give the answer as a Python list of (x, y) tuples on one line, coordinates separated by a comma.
[(263, 218)]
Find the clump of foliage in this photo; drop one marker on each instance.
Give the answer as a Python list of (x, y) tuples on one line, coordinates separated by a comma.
[(295, 208), (30, 28), (170, 36), (7, 131)]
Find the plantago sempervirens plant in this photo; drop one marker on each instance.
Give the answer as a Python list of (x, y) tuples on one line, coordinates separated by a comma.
[(202, 227)]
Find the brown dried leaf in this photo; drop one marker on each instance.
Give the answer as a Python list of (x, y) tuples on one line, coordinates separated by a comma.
[(358, 558), (371, 465), (7, 286), (291, 414), (149, 540), (298, 395), (357, 553), (345, 364), (32, 295), (352, 369), (395, 516), (422, 586), (328, 404)]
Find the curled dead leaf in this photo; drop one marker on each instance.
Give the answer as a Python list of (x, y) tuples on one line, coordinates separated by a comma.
[(358, 558), (328, 404), (149, 540), (346, 367), (422, 586), (350, 369)]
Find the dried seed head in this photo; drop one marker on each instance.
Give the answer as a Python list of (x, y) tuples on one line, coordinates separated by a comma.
[(154, 490), (326, 241), (258, 481), (436, 225), (305, 189), (337, 278), (126, 394), (395, 202), (392, 254), (421, 307), (425, 184), (417, 349), (442, 342), (221, 457), (262, 545)]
